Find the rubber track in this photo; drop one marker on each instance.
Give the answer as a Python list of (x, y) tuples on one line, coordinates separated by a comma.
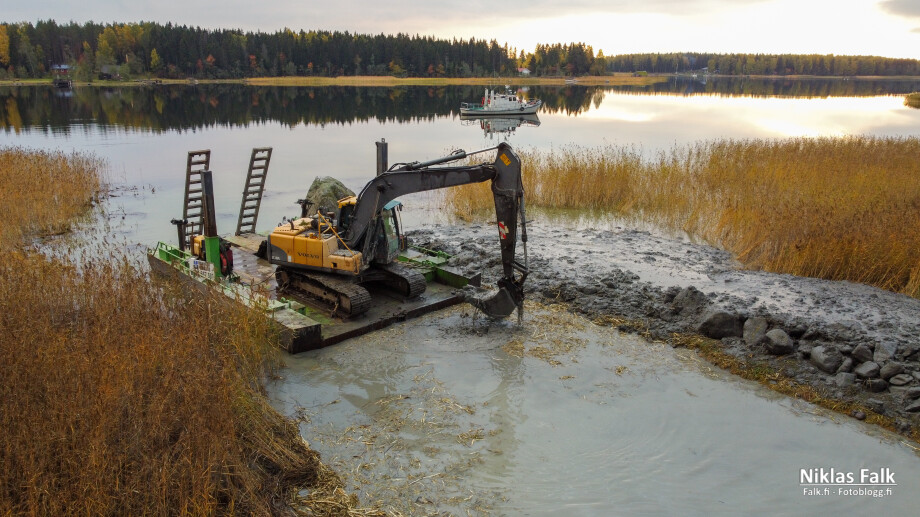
[(415, 280), (358, 296)]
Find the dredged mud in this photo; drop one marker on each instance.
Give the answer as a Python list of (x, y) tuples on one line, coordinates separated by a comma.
[(852, 342)]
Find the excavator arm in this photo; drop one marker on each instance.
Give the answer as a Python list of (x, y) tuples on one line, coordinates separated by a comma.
[(507, 189)]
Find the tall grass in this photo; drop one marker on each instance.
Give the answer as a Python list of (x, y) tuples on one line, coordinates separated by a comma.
[(43, 192), (836, 208), (121, 397)]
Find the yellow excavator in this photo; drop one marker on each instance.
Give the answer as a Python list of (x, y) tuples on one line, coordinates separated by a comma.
[(333, 257)]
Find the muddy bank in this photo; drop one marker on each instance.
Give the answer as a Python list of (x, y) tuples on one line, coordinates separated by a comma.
[(851, 342)]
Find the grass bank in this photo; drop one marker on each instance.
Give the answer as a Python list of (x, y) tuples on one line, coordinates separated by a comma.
[(834, 208), (372, 80), (122, 397)]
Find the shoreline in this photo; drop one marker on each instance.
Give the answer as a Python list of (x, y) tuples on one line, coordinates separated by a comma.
[(616, 79)]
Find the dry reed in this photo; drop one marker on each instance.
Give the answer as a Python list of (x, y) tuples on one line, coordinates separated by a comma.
[(122, 397), (43, 192), (836, 208)]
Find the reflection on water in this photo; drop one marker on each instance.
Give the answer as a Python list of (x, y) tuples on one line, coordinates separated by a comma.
[(778, 87), (501, 126), (186, 107), (560, 417), (165, 108)]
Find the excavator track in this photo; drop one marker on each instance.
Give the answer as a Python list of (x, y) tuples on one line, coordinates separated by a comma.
[(404, 280), (343, 297)]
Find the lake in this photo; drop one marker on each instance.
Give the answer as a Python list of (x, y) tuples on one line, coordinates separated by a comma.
[(145, 132), (442, 414)]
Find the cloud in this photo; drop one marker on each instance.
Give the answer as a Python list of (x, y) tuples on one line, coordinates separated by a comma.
[(366, 16), (908, 8)]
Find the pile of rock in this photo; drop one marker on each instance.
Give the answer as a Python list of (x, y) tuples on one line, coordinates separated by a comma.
[(888, 375)]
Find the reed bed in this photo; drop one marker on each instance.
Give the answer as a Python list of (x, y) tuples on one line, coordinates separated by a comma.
[(125, 397), (836, 208), (44, 192)]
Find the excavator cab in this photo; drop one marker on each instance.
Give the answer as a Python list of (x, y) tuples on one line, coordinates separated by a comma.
[(390, 240)]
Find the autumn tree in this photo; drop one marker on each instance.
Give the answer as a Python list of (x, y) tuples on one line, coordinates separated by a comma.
[(86, 64), (4, 46), (156, 64)]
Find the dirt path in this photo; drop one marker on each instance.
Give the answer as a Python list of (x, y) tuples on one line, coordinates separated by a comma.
[(851, 342)]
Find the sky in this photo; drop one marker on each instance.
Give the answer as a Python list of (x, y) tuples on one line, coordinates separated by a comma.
[(889, 28)]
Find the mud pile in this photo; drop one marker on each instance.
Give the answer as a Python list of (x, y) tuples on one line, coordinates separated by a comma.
[(851, 342)]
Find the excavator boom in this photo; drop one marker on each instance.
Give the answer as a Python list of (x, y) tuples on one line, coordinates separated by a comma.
[(507, 190)]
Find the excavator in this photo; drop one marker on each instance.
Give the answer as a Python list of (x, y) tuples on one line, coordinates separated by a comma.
[(334, 257)]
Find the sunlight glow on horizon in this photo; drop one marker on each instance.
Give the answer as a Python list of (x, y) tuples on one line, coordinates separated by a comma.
[(781, 117), (844, 27)]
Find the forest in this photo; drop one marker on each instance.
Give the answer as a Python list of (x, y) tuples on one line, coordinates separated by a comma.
[(126, 51)]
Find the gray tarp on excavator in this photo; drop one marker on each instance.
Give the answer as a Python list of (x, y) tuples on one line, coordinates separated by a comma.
[(324, 194)]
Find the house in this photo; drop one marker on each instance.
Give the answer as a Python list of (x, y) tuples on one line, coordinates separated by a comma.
[(524, 72), (61, 76)]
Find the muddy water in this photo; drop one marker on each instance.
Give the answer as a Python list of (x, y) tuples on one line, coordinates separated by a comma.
[(559, 417)]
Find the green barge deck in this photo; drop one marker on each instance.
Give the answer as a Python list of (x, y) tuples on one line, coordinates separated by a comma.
[(302, 325)]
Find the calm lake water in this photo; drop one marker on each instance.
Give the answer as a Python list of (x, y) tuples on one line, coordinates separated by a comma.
[(441, 414), (145, 133)]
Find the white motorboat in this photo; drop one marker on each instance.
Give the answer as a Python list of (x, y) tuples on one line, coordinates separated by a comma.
[(493, 103)]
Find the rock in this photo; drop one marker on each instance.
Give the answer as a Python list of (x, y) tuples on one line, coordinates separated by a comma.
[(777, 342), (805, 349), (862, 353), (689, 301), (876, 405), (890, 370), (324, 194), (846, 365), (912, 393), (913, 407), (867, 370), (826, 358), (796, 331), (845, 349), (812, 334), (718, 325), (858, 415), (901, 379), (884, 351), (842, 332), (844, 379), (876, 385), (754, 330)]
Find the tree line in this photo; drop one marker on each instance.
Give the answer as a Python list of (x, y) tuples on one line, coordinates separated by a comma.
[(130, 50), (764, 64)]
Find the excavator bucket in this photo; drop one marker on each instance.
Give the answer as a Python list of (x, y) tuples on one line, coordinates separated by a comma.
[(501, 303), (498, 305)]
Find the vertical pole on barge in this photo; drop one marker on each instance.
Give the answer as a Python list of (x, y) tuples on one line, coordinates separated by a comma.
[(382, 157), (209, 223)]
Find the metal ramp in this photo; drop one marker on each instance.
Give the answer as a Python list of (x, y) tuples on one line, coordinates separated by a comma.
[(198, 161), (252, 191)]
